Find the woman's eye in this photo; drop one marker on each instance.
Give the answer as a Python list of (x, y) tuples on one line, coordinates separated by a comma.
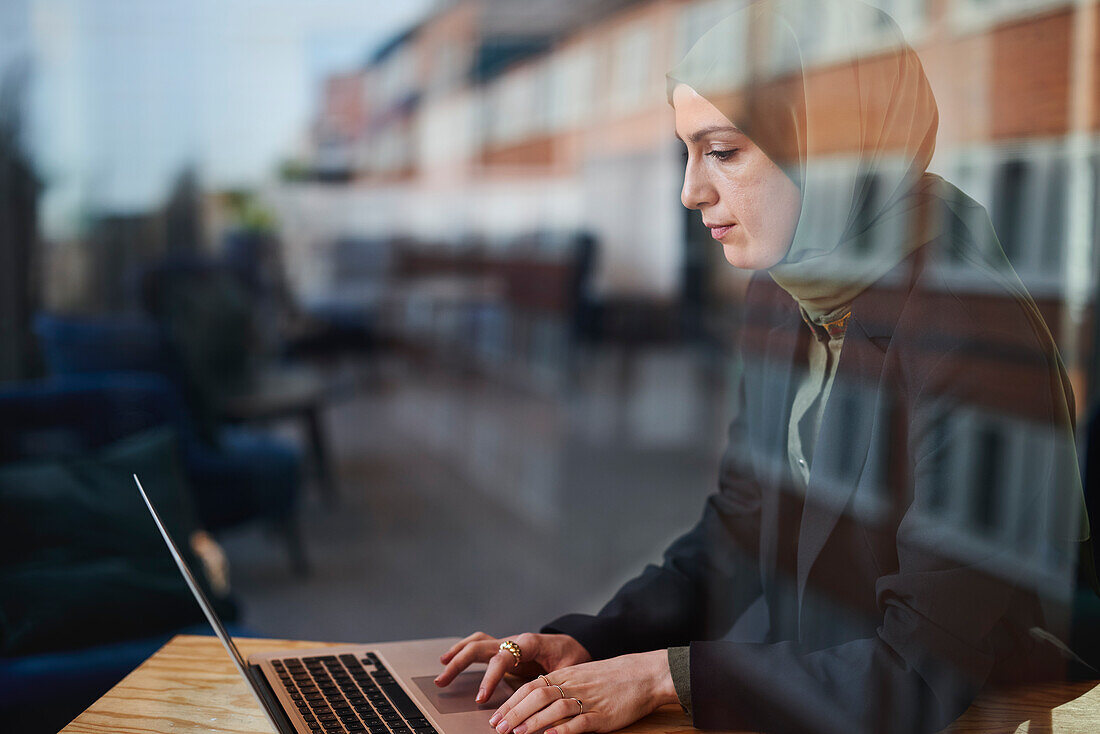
[(723, 155)]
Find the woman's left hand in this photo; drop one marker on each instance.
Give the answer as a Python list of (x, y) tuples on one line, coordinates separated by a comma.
[(613, 693)]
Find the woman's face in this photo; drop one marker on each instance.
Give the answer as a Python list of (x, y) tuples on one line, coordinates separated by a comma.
[(748, 203)]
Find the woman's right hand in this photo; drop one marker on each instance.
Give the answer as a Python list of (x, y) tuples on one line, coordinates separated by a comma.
[(541, 654)]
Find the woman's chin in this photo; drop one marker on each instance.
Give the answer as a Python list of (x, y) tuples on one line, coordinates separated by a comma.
[(748, 257)]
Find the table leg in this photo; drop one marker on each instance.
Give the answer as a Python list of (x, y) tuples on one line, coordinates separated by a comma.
[(319, 451)]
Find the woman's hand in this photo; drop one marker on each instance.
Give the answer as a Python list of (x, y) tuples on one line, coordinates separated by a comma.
[(612, 693), (541, 654)]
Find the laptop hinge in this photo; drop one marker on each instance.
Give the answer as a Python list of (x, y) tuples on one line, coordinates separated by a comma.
[(274, 708)]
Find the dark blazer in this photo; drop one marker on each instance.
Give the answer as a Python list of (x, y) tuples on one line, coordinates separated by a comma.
[(931, 553)]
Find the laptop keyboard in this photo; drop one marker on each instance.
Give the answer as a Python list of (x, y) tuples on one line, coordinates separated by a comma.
[(343, 693)]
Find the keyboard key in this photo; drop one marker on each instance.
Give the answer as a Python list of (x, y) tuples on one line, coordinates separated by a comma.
[(402, 701)]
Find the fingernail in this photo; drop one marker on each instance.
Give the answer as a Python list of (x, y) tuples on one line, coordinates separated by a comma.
[(480, 695), (502, 726), (551, 731), (438, 679), (496, 717), (520, 729)]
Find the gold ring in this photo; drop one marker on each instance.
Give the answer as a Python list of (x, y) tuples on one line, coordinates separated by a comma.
[(581, 705), (514, 649), (560, 691), (543, 679)]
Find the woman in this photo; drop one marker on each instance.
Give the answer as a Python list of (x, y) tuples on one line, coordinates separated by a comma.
[(898, 502)]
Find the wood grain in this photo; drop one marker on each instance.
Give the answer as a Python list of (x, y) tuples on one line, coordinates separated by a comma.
[(191, 685)]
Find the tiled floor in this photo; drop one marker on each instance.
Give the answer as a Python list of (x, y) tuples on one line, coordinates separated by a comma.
[(468, 504)]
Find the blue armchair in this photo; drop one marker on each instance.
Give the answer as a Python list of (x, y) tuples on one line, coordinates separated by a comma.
[(66, 636), (96, 396)]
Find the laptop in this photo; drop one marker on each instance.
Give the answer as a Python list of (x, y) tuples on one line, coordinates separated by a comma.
[(386, 688)]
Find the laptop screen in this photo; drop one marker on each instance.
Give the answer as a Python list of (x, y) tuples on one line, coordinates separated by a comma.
[(208, 610)]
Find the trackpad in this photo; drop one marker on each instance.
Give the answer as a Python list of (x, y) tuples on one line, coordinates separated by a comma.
[(459, 695)]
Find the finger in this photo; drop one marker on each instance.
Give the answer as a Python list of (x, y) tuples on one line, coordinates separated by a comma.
[(537, 700), (515, 698), (461, 644), (556, 711), (475, 652), (576, 725), (501, 663)]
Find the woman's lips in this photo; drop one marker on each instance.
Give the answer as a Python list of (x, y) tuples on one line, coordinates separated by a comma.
[(719, 232)]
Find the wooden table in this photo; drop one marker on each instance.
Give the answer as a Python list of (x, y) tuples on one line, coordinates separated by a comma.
[(191, 685)]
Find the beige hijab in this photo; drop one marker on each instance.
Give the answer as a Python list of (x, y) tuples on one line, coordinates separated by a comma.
[(854, 127)]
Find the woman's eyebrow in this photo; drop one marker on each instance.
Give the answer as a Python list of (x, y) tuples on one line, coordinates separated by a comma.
[(696, 136)]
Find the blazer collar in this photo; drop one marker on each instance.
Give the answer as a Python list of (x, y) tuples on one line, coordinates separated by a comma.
[(876, 310)]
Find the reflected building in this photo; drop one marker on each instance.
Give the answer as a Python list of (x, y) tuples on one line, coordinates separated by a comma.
[(508, 131), (503, 133)]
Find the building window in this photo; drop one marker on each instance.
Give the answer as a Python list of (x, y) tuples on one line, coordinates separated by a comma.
[(632, 75), (1007, 206), (969, 15), (695, 20), (986, 479), (571, 78)]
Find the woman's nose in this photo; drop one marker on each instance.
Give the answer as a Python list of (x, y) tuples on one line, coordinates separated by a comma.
[(698, 191)]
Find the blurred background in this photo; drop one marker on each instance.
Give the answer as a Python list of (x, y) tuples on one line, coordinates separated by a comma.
[(396, 305)]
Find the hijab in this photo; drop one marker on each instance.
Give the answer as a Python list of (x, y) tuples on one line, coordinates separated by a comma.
[(855, 134)]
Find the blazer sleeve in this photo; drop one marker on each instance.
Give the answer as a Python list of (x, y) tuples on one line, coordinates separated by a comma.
[(950, 620), (708, 576)]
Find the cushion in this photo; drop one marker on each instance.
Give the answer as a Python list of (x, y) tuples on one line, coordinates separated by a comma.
[(83, 562)]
